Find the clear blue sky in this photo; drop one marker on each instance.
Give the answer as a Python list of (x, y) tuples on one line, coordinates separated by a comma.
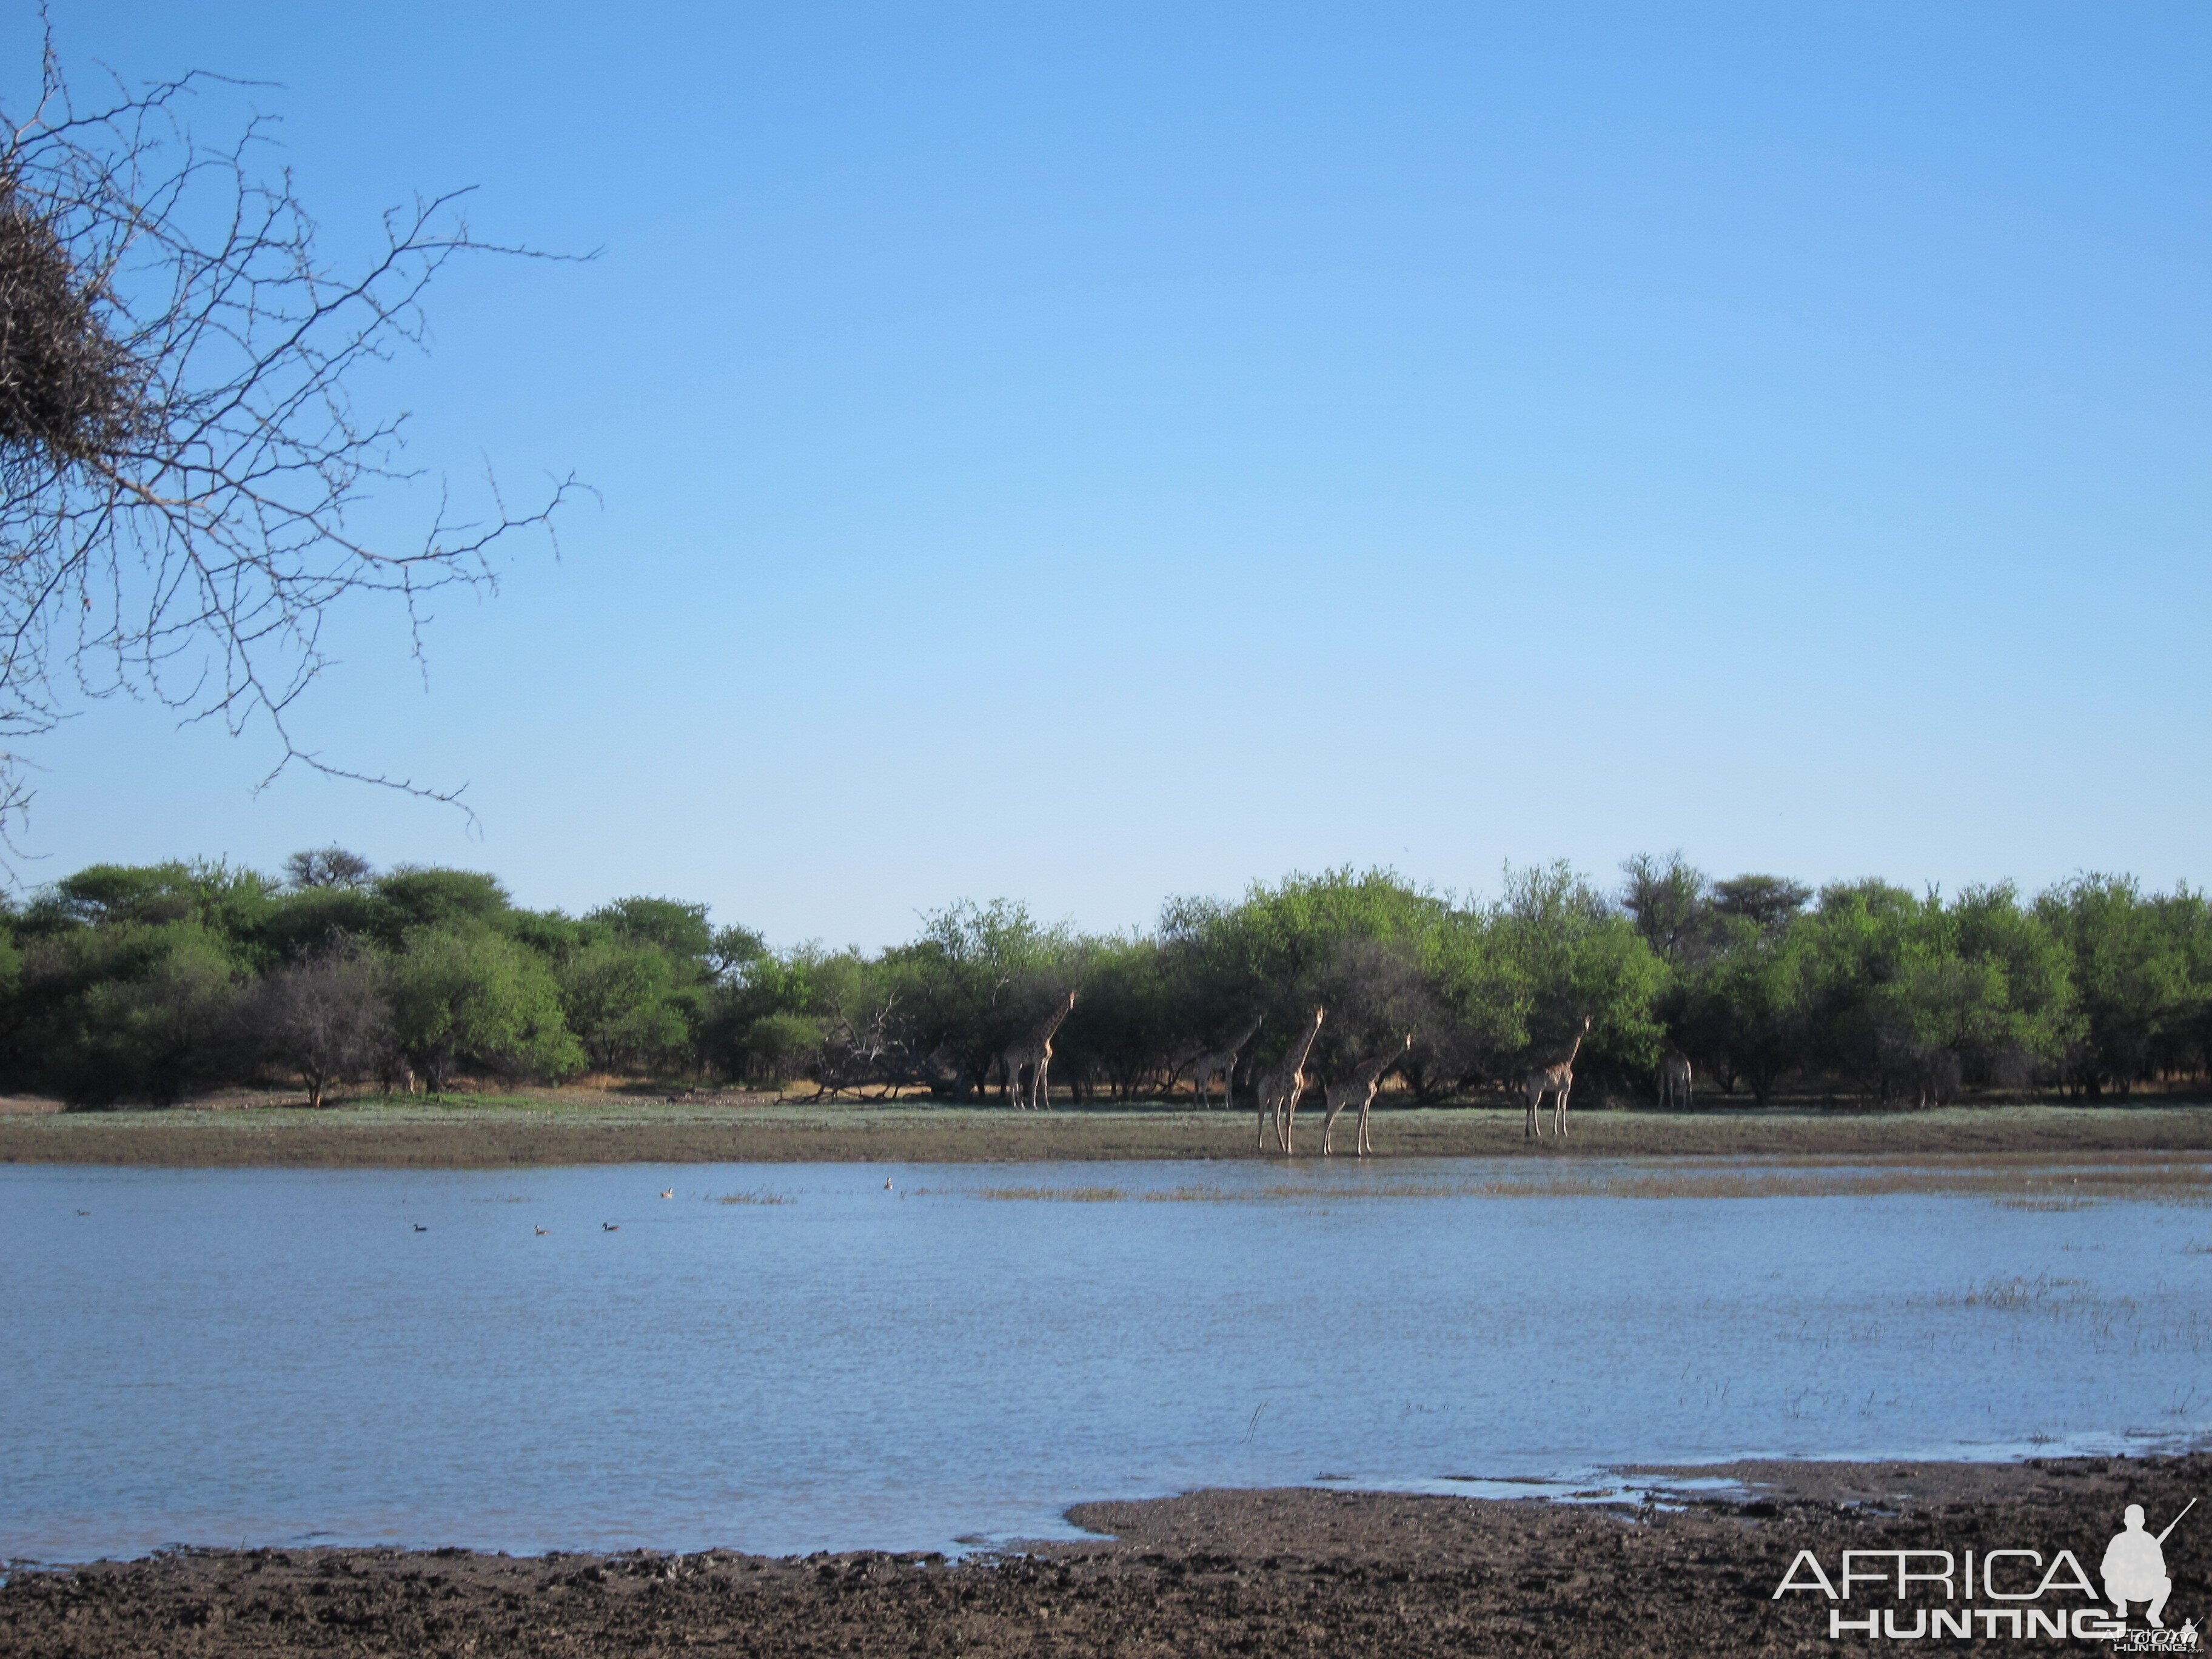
[(1082, 453)]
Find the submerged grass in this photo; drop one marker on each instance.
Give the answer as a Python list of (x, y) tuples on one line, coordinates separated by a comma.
[(2039, 1185), (1052, 1194), (1206, 1194), (2020, 1293), (2109, 1319), (763, 1197)]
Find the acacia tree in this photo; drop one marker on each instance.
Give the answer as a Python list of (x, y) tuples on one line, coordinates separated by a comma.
[(325, 867), (182, 467)]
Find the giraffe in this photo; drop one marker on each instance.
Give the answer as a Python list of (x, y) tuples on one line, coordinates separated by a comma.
[(1222, 1063), (1557, 1080), (1033, 1054), (1280, 1089), (1673, 1078), (1360, 1087)]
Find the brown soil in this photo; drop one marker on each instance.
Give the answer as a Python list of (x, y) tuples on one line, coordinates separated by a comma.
[(580, 1127), (1285, 1572)]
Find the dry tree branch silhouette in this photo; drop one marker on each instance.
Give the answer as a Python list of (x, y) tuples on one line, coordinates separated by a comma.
[(179, 455)]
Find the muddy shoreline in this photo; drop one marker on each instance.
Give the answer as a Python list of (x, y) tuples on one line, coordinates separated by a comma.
[(1291, 1572), (617, 1130)]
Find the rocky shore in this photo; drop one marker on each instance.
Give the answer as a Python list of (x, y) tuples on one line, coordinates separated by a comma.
[(1285, 1572)]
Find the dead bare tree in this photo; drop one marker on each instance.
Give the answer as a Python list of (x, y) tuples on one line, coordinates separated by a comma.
[(182, 469), (325, 1017), (853, 1049)]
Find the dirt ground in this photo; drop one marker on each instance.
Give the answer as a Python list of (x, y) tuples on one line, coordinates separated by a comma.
[(576, 1127), (1283, 1572)]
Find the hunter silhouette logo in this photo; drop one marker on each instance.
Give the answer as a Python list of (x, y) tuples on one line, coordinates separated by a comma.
[(2134, 1566), (2023, 1596)]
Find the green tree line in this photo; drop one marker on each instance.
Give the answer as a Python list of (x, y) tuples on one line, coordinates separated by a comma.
[(152, 983)]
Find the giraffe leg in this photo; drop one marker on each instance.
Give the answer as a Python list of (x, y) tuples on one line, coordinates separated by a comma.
[(1044, 1085), (1365, 1145), (1264, 1103), (1560, 1112), (1329, 1126)]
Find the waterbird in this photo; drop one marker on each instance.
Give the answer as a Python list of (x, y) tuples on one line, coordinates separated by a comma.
[(541, 1232), (84, 1213), (611, 1227), (420, 1227), (668, 1192), (887, 1187)]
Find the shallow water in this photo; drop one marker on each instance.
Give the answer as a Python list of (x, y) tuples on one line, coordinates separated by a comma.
[(267, 1356)]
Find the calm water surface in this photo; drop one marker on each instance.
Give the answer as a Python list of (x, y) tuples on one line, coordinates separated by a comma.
[(273, 1356)]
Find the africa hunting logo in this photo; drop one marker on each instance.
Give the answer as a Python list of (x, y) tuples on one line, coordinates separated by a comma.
[(2026, 1597)]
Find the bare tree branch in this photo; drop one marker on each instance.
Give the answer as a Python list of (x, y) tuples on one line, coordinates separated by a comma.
[(181, 464)]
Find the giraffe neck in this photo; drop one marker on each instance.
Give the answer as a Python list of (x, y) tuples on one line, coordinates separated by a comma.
[(1374, 1068), (1573, 1049), (1245, 1036), (1298, 1056), (1045, 1032)]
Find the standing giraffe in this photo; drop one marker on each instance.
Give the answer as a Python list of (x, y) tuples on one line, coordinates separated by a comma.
[(1280, 1089), (1220, 1063), (1033, 1053), (1360, 1087), (1557, 1080), (1673, 1078)]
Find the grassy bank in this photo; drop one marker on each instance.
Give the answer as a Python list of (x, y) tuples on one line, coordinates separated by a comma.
[(574, 1127)]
